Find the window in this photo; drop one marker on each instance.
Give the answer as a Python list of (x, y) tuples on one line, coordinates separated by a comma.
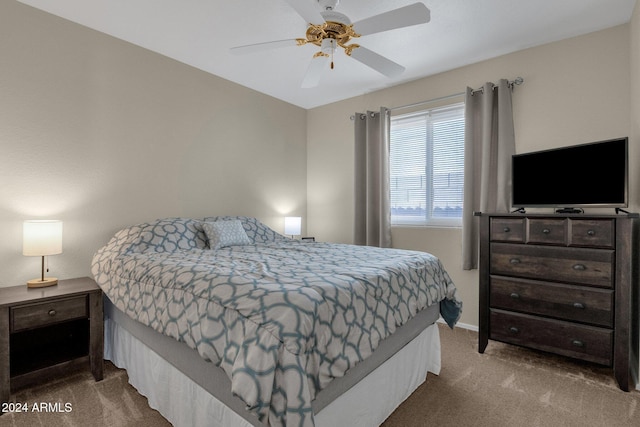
[(427, 167)]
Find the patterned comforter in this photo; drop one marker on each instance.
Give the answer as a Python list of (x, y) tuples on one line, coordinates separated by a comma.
[(281, 317)]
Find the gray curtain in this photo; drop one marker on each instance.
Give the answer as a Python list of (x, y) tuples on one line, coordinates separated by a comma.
[(489, 145), (372, 194)]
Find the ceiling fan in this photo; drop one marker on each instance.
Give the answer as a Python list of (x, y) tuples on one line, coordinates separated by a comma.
[(329, 30)]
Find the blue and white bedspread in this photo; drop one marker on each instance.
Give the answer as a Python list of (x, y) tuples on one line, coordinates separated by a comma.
[(281, 317)]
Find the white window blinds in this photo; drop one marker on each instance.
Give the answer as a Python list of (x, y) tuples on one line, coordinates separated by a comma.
[(427, 167)]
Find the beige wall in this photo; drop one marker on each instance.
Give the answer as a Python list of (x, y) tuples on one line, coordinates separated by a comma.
[(575, 91), (102, 134)]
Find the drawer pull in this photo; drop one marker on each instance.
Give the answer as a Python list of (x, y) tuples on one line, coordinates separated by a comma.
[(515, 295), (546, 231), (514, 330), (514, 261), (577, 343), (578, 305), (591, 233), (579, 267), (52, 312), (506, 229)]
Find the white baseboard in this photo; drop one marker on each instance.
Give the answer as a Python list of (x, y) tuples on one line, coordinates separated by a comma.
[(461, 325)]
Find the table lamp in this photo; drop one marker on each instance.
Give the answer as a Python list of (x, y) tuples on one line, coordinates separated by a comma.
[(42, 238), (292, 225)]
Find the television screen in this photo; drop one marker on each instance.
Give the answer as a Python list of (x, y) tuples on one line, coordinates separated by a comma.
[(593, 174)]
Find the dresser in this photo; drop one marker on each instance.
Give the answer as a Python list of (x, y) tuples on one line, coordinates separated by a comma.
[(565, 284)]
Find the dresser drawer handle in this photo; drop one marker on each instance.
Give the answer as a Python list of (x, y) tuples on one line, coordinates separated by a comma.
[(514, 330), (591, 233), (515, 295), (514, 260), (579, 267), (578, 305), (577, 343), (506, 229), (52, 312), (546, 231)]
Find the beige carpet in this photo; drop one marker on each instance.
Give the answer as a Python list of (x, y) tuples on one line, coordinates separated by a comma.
[(506, 386), (512, 386), (110, 402)]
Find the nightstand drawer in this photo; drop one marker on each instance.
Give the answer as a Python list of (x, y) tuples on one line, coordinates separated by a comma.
[(49, 312), (571, 265), (567, 302), (582, 342)]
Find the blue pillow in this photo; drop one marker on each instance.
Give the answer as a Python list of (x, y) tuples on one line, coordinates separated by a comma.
[(256, 231), (225, 233)]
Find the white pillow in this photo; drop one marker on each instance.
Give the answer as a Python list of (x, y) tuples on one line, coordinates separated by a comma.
[(225, 233)]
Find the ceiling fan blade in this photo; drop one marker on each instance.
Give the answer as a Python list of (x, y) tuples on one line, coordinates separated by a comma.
[(314, 72), (308, 9), (259, 47), (377, 62), (413, 14)]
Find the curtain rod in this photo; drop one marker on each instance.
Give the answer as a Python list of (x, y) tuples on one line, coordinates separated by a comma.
[(511, 83)]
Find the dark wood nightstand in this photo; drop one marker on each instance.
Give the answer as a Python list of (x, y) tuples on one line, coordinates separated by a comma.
[(47, 331)]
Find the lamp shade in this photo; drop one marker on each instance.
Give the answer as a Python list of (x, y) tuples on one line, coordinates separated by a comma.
[(42, 237), (292, 225)]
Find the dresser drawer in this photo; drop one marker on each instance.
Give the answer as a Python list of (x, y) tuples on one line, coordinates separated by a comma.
[(507, 229), (48, 312), (559, 264), (566, 302), (595, 233), (580, 341), (546, 231)]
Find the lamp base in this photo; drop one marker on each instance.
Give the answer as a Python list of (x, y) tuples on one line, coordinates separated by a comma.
[(42, 283)]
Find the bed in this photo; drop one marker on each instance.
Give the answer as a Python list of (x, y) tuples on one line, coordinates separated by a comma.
[(222, 321)]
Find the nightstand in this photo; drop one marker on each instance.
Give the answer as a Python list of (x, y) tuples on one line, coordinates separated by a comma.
[(45, 332)]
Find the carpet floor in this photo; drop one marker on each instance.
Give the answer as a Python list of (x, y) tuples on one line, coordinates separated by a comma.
[(505, 386), (513, 386)]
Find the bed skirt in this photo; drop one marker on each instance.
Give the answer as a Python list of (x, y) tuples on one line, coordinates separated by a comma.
[(177, 387)]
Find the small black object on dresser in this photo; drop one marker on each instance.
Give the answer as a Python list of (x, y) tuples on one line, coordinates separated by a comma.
[(566, 284)]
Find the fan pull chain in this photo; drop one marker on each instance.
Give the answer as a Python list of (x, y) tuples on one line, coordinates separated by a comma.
[(332, 59)]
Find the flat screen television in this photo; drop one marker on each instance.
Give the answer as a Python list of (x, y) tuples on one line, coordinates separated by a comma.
[(578, 176)]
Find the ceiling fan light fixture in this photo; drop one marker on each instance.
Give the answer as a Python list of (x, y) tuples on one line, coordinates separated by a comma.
[(328, 46)]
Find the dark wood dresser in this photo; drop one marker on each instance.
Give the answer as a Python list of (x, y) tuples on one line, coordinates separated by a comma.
[(566, 284)]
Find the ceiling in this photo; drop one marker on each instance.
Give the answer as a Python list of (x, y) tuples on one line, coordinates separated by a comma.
[(201, 32)]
